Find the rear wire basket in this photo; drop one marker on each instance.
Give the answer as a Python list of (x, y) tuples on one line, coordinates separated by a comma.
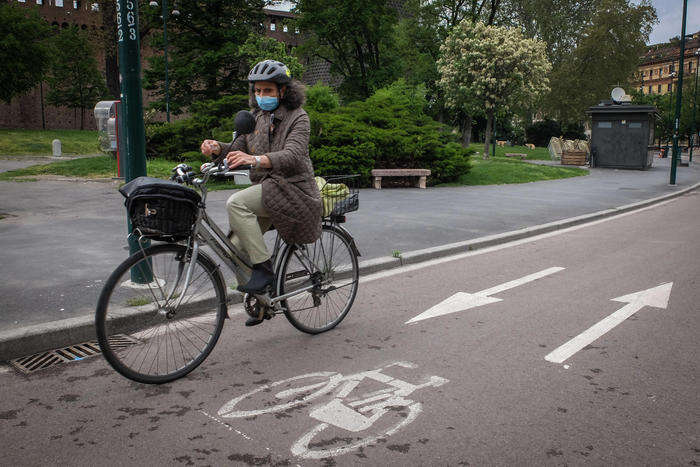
[(340, 195)]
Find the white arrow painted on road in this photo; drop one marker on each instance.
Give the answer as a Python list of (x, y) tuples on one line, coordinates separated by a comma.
[(462, 301), (656, 297)]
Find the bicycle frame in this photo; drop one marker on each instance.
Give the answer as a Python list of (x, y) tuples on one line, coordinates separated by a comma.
[(207, 232)]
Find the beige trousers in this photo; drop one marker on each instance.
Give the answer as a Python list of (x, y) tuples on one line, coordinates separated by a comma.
[(249, 221)]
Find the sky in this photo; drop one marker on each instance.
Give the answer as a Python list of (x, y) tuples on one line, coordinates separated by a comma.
[(670, 13)]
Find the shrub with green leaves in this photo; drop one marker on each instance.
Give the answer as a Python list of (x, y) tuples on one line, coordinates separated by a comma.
[(321, 98), (210, 120), (388, 130)]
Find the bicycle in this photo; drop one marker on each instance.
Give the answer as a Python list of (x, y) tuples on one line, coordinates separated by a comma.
[(162, 310)]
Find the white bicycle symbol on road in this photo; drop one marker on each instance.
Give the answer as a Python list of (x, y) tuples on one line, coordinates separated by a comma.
[(353, 414)]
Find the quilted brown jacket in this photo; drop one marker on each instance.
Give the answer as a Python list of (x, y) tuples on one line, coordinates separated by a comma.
[(289, 192)]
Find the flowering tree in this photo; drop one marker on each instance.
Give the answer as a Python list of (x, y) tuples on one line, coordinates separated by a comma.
[(486, 68)]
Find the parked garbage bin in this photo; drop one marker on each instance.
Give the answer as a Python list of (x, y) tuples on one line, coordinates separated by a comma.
[(622, 135), (110, 129)]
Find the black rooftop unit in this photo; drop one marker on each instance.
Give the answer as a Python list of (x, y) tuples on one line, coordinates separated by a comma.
[(621, 135)]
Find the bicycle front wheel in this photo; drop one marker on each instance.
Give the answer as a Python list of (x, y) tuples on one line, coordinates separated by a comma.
[(326, 276), (150, 326)]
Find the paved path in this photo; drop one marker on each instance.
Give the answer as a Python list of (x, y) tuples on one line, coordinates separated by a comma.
[(468, 388), (60, 240)]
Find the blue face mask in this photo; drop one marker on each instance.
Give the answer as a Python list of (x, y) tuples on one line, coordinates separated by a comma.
[(267, 103)]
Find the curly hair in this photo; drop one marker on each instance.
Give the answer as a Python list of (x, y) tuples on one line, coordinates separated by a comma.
[(294, 97)]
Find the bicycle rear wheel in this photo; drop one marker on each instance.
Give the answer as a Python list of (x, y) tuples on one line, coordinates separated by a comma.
[(328, 268), (147, 329)]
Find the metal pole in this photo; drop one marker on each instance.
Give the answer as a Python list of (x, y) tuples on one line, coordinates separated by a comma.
[(695, 101), (679, 97), (131, 104), (670, 110), (165, 53)]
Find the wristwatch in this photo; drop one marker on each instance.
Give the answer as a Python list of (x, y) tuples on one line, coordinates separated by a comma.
[(257, 162)]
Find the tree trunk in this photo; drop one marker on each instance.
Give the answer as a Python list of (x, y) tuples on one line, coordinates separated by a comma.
[(466, 129), (109, 9), (487, 135)]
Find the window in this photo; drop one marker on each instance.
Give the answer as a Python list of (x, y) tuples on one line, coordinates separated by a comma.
[(59, 3), (39, 2), (284, 28), (95, 7), (273, 26), (635, 125), (658, 89), (670, 87), (671, 68), (661, 72), (649, 90), (76, 4), (296, 30), (604, 124)]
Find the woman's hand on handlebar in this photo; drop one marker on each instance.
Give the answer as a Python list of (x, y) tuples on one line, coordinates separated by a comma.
[(210, 147), (236, 158)]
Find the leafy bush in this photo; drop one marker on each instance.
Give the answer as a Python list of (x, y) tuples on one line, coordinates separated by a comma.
[(210, 119), (573, 130), (321, 98), (388, 130), (539, 133)]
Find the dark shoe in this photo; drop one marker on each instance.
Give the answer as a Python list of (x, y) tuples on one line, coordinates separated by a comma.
[(261, 279), (255, 321)]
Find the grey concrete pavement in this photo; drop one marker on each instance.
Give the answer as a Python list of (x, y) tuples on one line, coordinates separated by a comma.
[(629, 398), (60, 240)]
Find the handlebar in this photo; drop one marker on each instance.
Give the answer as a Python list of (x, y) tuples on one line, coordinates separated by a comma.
[(183, 173)]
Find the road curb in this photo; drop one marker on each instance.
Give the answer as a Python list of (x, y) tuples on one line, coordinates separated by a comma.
[(28, 340)]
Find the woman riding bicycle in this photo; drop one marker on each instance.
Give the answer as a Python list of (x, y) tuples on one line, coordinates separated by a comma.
[(284, 193)]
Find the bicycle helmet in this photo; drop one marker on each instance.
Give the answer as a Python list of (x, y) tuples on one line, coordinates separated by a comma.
[(270, 70)]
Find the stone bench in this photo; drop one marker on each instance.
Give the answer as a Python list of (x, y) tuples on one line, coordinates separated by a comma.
[(422, 175), (516, 154)]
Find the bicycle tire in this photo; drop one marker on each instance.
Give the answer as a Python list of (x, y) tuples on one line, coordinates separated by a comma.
[(134, 317), (327, 262)]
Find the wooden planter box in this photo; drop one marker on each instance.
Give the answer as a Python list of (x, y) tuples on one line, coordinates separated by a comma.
[(573, 157)]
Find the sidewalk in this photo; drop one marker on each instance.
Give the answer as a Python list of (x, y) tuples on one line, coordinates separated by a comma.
[(60, 240)]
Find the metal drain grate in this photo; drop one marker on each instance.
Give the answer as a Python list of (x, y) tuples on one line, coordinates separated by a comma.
[(72, 353)]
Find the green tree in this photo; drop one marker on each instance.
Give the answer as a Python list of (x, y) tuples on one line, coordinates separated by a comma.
[(416, 47), (24, 49), (204, 50), (258, 48), (353, 36), (593, 45), (491, 68), (74, 78)]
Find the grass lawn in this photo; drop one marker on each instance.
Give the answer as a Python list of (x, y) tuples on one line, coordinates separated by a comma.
[(500, 171), (38, 142), (535, 154), (494, 171), (100, 167)]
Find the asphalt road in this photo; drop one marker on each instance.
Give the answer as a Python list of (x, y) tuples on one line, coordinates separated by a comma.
[(470, 387), (60, 240)]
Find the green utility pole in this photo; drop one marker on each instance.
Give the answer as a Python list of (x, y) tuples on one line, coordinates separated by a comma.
[(131, 104), (679, 97)]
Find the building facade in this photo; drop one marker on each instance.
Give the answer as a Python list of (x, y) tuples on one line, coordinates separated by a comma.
[(659, 68)]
